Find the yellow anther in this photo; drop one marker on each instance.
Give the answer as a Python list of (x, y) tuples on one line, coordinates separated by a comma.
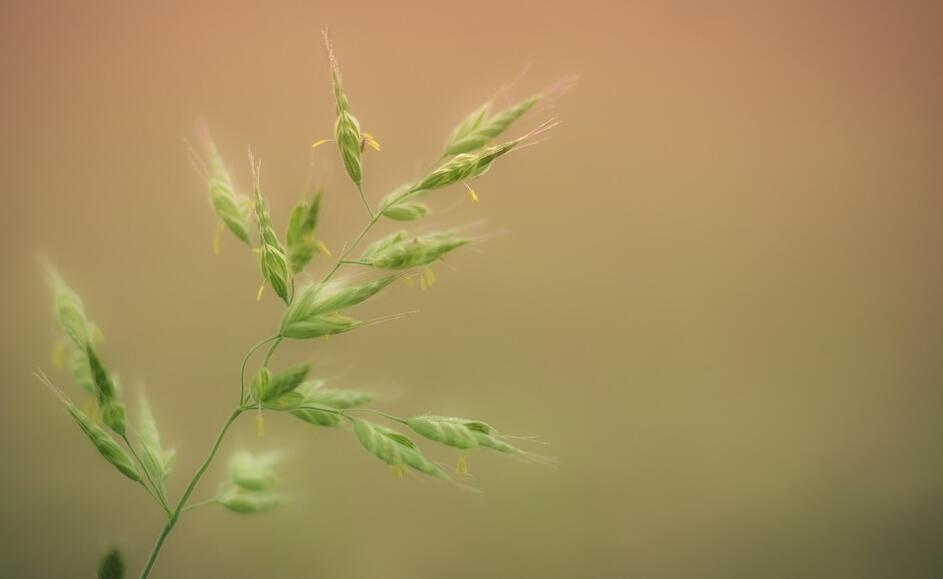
[(258, 294), (430, 277), (461, 467), (397, 471), (260, 425), (98, 337), (409, 281), (422, 282), (323, 248), (319, 143), (371, 140), (58, 354), (471, 192), (91, 409), (217, 238)]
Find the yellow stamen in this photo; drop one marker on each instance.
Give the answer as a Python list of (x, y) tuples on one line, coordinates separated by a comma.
[(430, 277), (319, 143), (422, 282), (98, 338), (371, 140), (397, 471), (58, 354), (323, 247), (471, 192), (260, 425), (409, 281), (217, 235), (461, 467), (258, 295), (91, 409)]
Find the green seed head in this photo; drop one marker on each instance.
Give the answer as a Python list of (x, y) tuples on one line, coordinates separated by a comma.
[(347, 128), (317, 326), (157, 461), (394, 448), (395, 206), (480, 127), (232, 208), (111, 565), (253, 472), (244, 502), (286, 381), (340, 398), (449, 431), (272, 260), (314, 312), (260, 383), (115, 416), (69, 309), (299, 235), (105, 444), (417, 251)]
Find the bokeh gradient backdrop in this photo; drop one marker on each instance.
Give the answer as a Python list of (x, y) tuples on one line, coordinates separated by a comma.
[(716, 289)]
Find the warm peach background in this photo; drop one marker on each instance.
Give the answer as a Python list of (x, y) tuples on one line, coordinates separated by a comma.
[(720, 297)]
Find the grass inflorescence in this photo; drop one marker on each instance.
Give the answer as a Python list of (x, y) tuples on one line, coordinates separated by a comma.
[(134, 446)]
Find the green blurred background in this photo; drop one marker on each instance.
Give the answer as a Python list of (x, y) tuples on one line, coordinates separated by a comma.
[(716, 289)]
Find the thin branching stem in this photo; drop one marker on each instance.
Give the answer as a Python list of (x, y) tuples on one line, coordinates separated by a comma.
[(181, 505), (245, 361), (366, 203), (199, 504), (154, 490)]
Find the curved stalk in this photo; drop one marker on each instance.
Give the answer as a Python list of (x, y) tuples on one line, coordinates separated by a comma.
[(181, 505)]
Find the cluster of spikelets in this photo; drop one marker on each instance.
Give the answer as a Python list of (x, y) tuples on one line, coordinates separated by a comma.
[(311, 311)]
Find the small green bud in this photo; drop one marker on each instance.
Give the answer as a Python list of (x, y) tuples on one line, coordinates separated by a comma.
[(286, 381), (157, 462), (395, 206), (260, 383), (407, 211), (81, 372), (111, 565), (316, 417), (69, 309), (232, 208), (272, 261), (105, 444), (254, 473), (114, 416), (347, 129), (248, 503), (299, 235)]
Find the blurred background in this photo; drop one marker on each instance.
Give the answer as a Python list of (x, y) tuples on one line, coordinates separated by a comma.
[(715, 289)]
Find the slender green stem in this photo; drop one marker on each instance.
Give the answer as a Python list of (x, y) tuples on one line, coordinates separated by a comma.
[(271, 350), (181, 505), (152, 558), (350, 247), (245, 360), (383, 414), (277, 339), (156, 493), (199, 504), (366, 203)]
